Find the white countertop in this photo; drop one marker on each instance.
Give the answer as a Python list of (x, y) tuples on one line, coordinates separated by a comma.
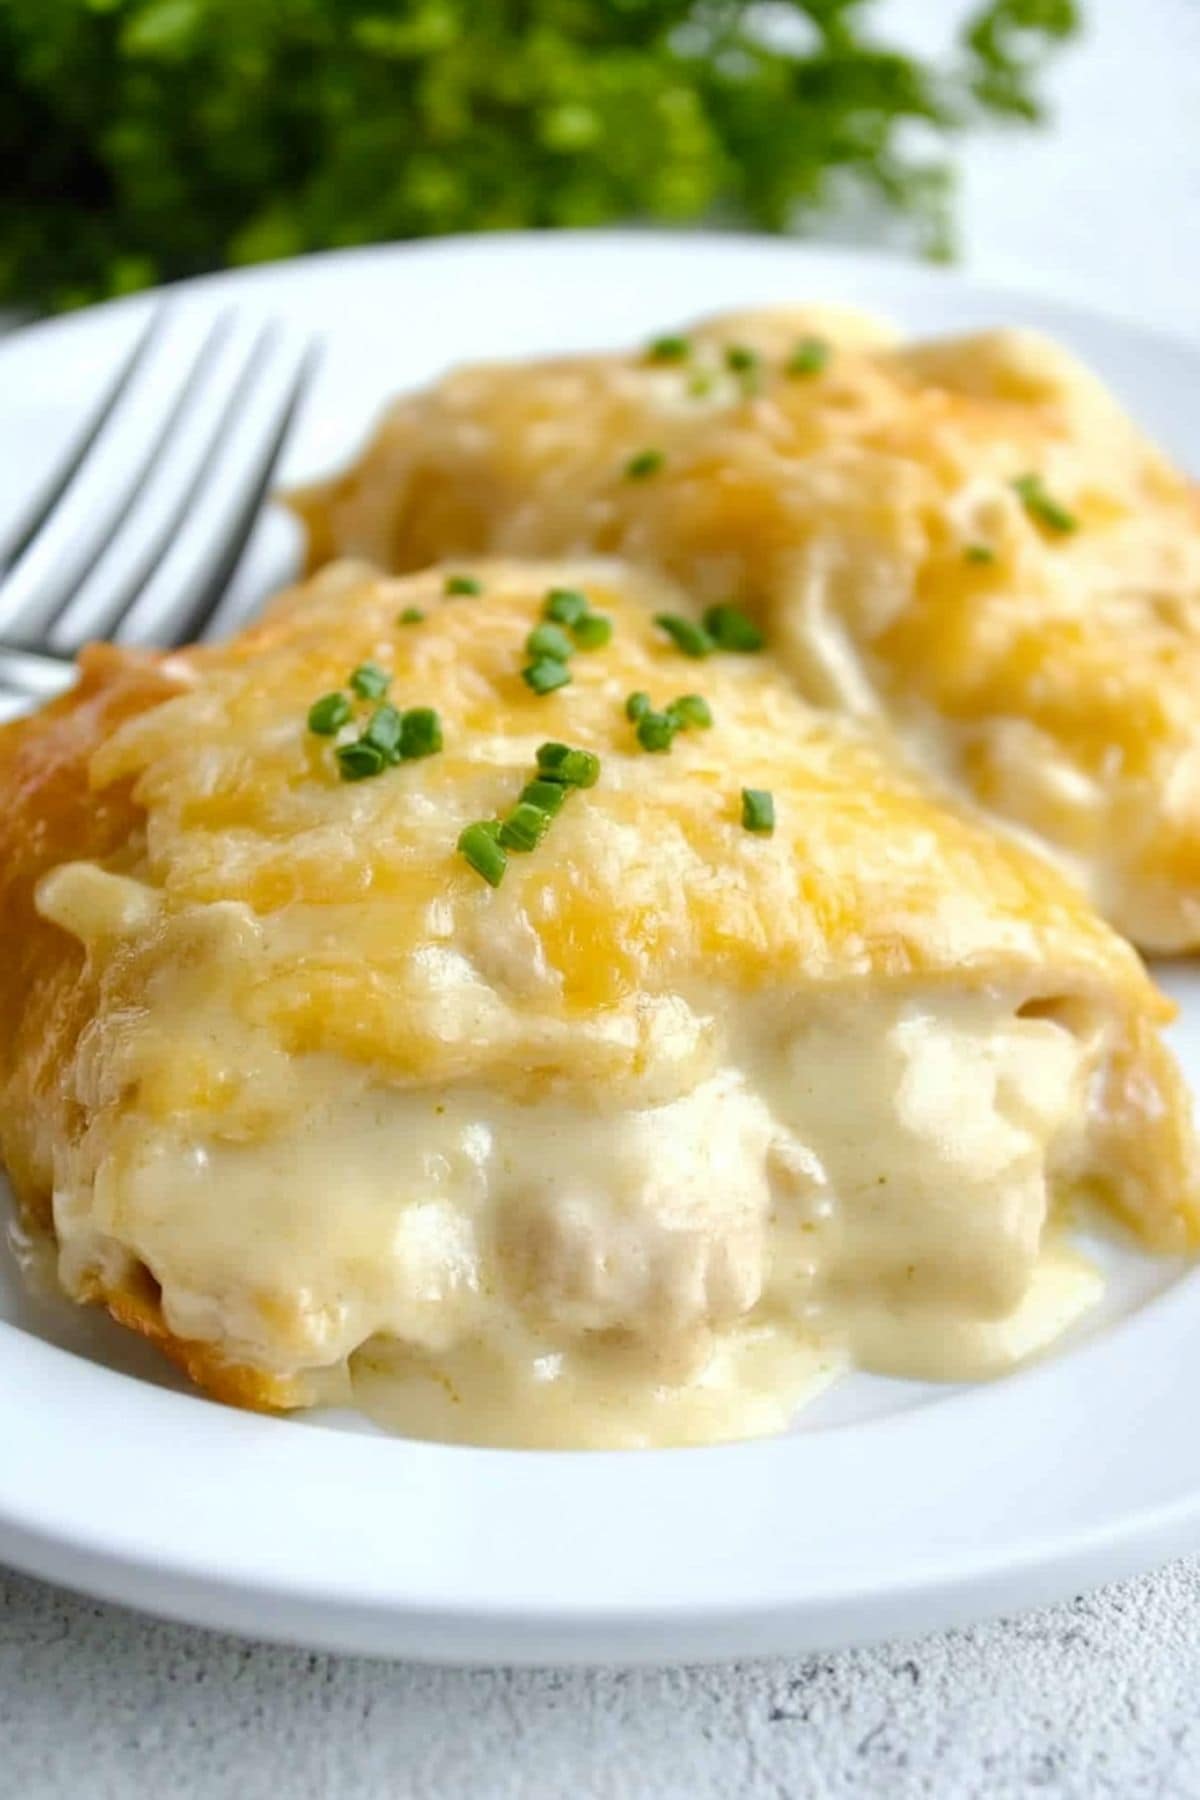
[(1087, 1700)]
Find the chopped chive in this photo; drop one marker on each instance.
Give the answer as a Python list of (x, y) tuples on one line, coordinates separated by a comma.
[(644, 463), (524, 827), (458, 585), (669, 349), (358, 761), (547, 796), (656, 731), (731, 629), (741, 359), (686, 634), (690, 711), (384, 731), (574, 768), (593, 631), (700, 386), (809, 357), (421, 734), (1043, 506), (479, 844), (369, 681), (979, 553), (546, 674), (412, 615), (758, 810), (549, 640), (328, 714), (566, 606), (636, 705)]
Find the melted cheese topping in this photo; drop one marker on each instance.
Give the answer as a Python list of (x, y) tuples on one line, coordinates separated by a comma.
[(640, 1147), (1053, 680)]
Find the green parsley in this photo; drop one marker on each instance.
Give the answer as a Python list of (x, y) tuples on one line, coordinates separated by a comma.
[(979, 553), (369, 681), (566, 606), (546, 674), (549, 640), (593, 631), (731, 629), (573, 768), (690, 711), (412, 615), (809, 357), (740, 359), (360, 760), (686, 634), (656, 731), (524, 827), (1043, 507), (479, 843), (327, 715), (669, 349), (644, 463), (421, 734), (758, 810), (547, 796), (384, 731), (456, 586), (636, 705)]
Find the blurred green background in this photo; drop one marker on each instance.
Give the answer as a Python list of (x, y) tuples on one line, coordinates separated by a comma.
[(143, 140)]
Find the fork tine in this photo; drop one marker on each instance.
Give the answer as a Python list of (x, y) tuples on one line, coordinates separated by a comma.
[(41, 677), (187, 587), (96, 500), (26, 528)]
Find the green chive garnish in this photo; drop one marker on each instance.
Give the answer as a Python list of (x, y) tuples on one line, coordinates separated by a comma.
[(479, 844), (328, 714), (370, 682), (1043, 506), (524, 827), (731, 629), (741, 359), (549, 640), (700, 386), (358, 761), (690, 711), (412, 615), (636, 705), (979, 553), (574, 768), (656, 731), (462, 584), (421, 734), (758, 810), (566, 606), (646, 462), (686, 634), (669, 349), (384, 731), (809, 357), (546, 674), (593, 631), (547, 796)]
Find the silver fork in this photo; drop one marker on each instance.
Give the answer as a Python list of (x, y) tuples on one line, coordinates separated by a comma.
[(138, 531)]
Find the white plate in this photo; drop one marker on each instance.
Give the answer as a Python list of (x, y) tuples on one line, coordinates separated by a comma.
[(892, 1506)]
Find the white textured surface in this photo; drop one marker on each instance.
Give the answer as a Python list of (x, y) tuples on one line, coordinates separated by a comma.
[(1088, 1700)]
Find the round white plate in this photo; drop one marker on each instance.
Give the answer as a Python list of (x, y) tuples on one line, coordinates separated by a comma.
[(892, 1507)]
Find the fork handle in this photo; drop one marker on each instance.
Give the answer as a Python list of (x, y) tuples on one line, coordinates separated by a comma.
[(37, 677)]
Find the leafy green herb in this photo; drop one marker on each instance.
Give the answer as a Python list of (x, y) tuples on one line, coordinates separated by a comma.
[(457, 586), (421, 734), (979, 553), (384, 731), (686, 634), (547, 796), (645, 463), (758, 810), (810, 357), (731, 629), (656, 731), (636, 705), (360, 760), (740, 359), (574, 768), (479, 844), (327, 715), (566, 606), (546, 674), (592, 631), (669, 349), (412, 615), (690, 711), (549, 640), (524, 827), (1042, 506), (369, 681), (700, 386)]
